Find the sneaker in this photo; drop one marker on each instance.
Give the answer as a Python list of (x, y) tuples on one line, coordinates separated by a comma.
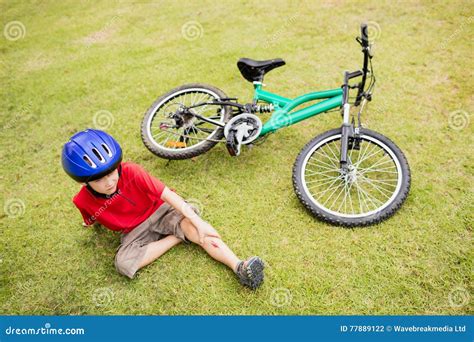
[(250, 272)]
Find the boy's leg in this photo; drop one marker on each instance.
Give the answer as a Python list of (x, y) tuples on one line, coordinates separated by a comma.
[(215, 247), (156, 249), (249, 272)]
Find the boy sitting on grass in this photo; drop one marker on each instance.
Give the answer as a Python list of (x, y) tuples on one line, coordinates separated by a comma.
[(152, 218)]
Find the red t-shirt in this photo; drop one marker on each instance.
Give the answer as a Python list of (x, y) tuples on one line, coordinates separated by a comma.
[(138, 196)]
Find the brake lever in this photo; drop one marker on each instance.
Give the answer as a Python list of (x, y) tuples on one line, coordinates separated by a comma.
[(369, 50)]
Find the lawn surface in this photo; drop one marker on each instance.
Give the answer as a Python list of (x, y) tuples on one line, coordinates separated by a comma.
[(71, 65)]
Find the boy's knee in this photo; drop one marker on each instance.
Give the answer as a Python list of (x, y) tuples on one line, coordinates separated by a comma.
[(123, 266), (186, 223), (212, 241)]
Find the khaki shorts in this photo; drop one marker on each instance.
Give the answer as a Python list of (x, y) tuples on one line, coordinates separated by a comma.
[(163, 222)]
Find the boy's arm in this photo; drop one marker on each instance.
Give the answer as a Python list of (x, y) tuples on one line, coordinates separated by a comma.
[(157, 188), (203, 228), (88, 220)]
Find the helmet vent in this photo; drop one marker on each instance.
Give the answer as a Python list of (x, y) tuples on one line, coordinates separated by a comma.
[(106, 149), (98, 155), (89, 161)]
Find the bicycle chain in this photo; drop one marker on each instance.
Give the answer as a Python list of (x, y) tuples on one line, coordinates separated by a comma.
[(190, 137)]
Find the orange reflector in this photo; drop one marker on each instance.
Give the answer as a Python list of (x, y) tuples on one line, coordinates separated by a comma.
[(176, 144)]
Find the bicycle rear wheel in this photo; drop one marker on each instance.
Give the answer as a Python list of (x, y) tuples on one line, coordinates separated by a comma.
[(194, 136)]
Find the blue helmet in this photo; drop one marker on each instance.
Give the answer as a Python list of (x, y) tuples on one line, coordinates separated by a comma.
[(90, 155)]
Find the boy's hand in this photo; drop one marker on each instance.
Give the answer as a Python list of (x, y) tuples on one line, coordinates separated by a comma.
[(205, 229), (95, 225)]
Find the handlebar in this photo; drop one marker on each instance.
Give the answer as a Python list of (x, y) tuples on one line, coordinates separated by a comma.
[(364, 42), (364, 35), (349, 75)]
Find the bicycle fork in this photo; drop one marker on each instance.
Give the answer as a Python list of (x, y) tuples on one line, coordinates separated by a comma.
[(347, 128)]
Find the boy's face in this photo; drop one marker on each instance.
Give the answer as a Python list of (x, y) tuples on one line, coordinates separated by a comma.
[(106, 185)]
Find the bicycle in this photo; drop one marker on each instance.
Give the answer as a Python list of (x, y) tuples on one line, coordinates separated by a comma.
[(349, 176)]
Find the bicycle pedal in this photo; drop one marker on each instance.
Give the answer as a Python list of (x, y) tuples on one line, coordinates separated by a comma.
[(231, 150), (232, 147)]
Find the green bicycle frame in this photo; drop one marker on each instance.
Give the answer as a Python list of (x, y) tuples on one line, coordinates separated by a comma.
[(283, 115)]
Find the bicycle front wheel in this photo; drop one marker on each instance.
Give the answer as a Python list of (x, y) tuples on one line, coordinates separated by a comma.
[(373, 188)]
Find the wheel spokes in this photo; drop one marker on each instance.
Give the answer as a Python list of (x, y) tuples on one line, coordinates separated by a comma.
[(369, 184), (194, 131)]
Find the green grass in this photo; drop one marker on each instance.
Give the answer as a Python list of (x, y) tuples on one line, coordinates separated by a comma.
[(78, 58)]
